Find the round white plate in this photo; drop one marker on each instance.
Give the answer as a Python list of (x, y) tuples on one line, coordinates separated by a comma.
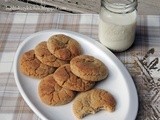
[(119, 82)]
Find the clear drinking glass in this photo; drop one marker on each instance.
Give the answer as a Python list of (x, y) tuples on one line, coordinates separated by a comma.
[(117, 23)]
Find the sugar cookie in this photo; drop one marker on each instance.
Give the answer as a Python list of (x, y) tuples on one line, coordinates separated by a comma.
[(92, 101), (88, 68), (65, 78), (53, 94), (63, 47)]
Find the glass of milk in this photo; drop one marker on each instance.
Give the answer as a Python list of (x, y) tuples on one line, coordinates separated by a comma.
[(117, 24)]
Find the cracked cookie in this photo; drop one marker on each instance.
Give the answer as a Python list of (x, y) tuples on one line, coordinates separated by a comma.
[(92, 101), (65, 78), (63, 47), (52, 94), (88, 68), (46, 57), (31, 66)]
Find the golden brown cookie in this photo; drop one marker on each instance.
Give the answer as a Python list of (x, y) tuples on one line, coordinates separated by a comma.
[(31, 66), (92, 101), (63, 47), (52, 94), (43, 54), (65, 78), (88, 68)]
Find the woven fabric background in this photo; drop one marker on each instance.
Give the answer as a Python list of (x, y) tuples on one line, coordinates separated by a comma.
[(142, 60)]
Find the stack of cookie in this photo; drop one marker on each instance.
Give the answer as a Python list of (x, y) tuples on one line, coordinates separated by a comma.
[(49, 55), (62, 68)]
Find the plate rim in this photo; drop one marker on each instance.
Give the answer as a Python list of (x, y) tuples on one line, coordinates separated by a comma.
[(118, 63)]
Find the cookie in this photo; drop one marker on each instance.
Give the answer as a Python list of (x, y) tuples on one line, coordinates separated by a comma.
[(43, 54), (88, 68), (63, 47), (52, 94), (92, 101), (65, 78), (31, 66)]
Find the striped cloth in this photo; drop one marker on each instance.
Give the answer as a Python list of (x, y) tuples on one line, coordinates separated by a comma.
[(142, 59)]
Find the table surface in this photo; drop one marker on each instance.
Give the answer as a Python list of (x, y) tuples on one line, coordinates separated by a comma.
[(142, 60)]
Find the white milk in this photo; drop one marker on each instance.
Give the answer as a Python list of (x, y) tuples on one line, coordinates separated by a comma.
[(117, 31)]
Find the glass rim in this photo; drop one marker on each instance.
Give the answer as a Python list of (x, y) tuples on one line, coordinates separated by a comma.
[(120, 8)]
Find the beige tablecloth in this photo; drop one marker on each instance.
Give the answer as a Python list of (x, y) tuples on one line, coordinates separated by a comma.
[(142, 60)]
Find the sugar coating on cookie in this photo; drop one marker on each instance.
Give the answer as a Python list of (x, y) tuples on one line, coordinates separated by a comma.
[(52, 94), (92, 101), (31, 66), (46, 57), (89, 68), (63, 47), (65, 78)]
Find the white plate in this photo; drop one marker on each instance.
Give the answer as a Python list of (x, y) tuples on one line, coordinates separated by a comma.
[(119, 82)]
